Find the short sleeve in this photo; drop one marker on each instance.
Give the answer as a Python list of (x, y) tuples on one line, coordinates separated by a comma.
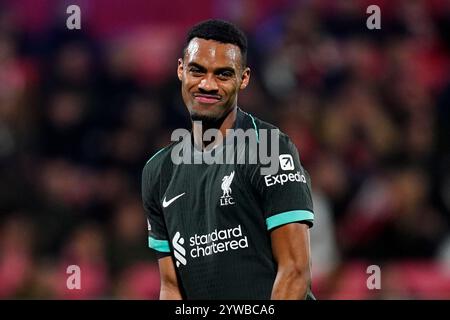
[(286, 194), (158, 238)]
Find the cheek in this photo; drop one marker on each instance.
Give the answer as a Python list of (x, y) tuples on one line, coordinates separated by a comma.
[(190, 83), (232, 89), (185, 88)]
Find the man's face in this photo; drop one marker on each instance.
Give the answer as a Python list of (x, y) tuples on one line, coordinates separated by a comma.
[(211, 75)]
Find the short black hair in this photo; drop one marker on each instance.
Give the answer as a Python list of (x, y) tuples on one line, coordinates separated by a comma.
[(221, 31)]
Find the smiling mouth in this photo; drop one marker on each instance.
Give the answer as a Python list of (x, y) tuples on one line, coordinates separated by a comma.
[(206, 98)]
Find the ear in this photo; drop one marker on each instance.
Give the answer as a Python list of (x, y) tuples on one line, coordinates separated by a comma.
[(245, 78), (180, 69)]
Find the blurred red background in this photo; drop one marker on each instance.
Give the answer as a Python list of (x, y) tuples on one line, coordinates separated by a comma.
[(81, 111)]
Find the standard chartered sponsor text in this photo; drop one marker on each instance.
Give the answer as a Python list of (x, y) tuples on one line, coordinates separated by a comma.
[(217, 242)]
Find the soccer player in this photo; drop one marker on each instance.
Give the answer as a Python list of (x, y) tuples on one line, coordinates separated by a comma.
[(226, 231)]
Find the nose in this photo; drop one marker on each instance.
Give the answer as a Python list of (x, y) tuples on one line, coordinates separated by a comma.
[(208, 83)]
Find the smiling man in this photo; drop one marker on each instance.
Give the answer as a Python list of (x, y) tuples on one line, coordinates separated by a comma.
[(225, 231)]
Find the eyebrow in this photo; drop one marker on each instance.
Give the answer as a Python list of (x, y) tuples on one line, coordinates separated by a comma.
[(216, 71), (193, 64)]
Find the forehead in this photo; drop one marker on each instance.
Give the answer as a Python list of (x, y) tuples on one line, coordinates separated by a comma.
[(211, 53)]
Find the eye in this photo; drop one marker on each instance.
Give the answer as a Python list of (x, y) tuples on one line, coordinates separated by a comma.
[(224, 75), (195, 71)]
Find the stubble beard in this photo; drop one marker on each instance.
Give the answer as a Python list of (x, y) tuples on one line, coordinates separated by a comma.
[(209, 121)]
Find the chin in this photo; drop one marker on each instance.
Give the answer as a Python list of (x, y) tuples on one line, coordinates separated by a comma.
[(208, 119), (210, 115), (204, 116), (211, 111)]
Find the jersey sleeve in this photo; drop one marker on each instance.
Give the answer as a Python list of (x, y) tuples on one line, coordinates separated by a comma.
[(158, 238), (286, 194)]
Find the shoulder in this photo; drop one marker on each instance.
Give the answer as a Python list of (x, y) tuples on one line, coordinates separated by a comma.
[(264, 128), (158, 161)]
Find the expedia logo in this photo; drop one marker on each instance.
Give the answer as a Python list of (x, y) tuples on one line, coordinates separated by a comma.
[(283, 178), (286, 162), (216, 242)]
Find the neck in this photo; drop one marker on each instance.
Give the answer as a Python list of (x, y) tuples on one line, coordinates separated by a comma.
[(198, 129)]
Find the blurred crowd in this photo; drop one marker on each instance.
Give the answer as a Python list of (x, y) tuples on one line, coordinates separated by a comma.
[(81, 111)]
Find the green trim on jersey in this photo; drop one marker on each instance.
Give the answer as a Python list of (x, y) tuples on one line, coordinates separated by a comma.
[(256, 128), (155, 155), (159, 245), (288, 217)]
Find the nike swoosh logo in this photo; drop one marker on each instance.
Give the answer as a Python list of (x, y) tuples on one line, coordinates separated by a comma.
[(168, 203)]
